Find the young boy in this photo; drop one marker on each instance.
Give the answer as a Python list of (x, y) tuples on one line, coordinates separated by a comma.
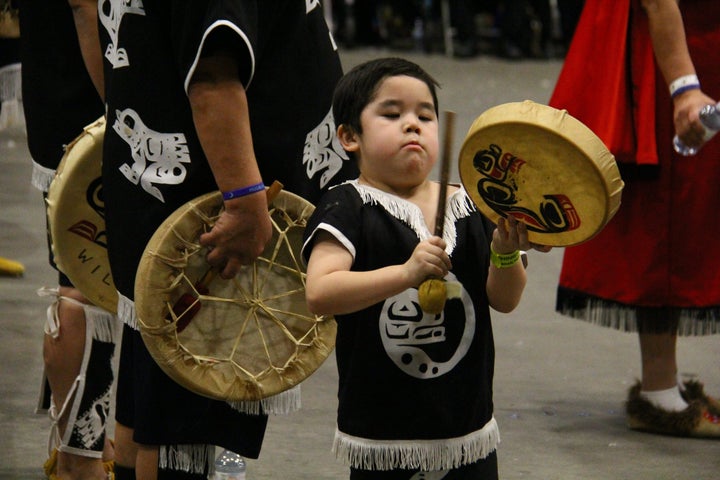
[(415, 391)]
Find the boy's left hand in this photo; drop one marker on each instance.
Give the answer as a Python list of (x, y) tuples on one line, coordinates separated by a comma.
[(511, 235)]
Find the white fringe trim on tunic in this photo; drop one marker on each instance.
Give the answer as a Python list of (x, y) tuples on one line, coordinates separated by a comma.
[(459, 206), (283, 403), (42, 177), (11, 108), (426, 455), (196, 458), (126, 311)]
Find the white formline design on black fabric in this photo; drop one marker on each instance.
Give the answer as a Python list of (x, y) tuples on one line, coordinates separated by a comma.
[(111, 19)]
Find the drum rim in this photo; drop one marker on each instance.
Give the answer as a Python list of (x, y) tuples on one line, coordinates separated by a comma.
[(590, 147), (240, 389), (88, 142)]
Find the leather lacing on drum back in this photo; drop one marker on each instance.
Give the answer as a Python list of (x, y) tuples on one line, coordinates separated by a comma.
[(252, 336)]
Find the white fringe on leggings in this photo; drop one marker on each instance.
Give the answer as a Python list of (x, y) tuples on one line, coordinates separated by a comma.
[(102, 326)]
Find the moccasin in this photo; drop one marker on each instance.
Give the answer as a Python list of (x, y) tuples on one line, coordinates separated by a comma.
[(694, 390), (697, 420)]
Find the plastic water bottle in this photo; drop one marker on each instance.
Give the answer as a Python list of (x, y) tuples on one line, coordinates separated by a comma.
[(710, 118), (229, 466)]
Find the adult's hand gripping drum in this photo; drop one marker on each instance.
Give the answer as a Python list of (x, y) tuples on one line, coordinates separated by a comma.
[(246, 338)]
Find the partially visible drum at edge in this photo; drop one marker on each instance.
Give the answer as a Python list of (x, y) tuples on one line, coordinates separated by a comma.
[(76, 217)]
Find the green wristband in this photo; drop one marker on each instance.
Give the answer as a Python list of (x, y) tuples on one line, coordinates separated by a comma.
[(504, 260)]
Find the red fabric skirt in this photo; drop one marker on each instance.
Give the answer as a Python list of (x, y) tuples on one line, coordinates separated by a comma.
[(659, 251)]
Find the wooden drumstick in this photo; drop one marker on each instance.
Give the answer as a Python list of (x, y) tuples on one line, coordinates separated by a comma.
[(433, 292), (444, 173), (188, 305), (273, 191)]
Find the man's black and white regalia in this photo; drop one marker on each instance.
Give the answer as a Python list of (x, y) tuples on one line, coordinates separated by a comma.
[(415, 389), (153, 161)]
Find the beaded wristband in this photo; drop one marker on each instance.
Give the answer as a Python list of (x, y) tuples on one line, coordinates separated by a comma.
[(242, 192), (504, 260), (683, 84)]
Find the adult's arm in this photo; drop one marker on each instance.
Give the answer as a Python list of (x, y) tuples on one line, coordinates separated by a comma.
[(668, 37), (85, 15), (222, 121)]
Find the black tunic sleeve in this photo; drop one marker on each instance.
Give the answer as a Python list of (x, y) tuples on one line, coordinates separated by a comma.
[(338, 213)]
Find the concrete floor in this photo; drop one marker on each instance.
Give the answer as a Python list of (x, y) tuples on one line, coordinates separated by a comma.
[(560, 384)]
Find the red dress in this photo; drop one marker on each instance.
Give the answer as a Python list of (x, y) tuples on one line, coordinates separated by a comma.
[(656, 258)]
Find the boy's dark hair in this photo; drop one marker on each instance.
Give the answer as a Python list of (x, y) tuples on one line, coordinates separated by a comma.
[(357, 88)]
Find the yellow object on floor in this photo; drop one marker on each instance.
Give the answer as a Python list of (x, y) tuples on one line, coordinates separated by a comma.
[(11, 268)]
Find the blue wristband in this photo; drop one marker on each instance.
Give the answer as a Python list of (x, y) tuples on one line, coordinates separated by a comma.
[(683, 84), (692, 86), (242, 192)]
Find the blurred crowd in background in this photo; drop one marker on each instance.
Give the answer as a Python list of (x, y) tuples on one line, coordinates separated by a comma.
[(513, 29)]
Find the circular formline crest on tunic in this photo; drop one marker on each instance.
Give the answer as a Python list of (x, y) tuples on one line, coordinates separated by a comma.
[(246, 338), (544, 167)]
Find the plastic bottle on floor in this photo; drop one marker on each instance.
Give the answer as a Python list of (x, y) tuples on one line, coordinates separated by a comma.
[(229, 466)]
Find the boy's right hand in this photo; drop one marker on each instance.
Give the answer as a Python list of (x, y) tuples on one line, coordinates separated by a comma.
[(428, 260)]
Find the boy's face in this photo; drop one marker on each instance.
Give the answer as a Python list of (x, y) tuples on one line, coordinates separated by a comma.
[(399, 143)]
